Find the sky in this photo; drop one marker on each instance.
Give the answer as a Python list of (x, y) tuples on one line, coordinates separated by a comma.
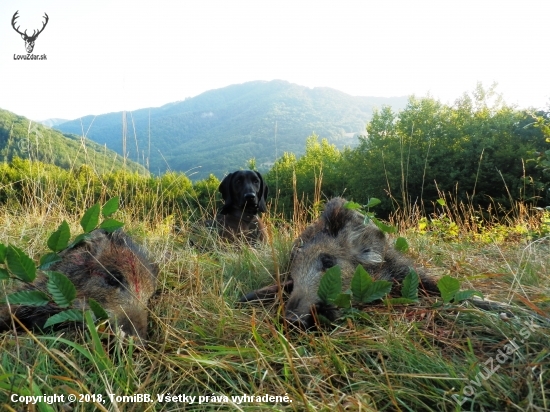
[(106, 56)]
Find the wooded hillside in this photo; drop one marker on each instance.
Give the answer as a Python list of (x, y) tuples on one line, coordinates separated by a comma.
[(220, 130)]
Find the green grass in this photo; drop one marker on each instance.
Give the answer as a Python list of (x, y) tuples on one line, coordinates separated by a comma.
[(412, 358)]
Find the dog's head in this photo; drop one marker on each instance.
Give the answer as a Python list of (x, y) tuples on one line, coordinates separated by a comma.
[(244, 190)]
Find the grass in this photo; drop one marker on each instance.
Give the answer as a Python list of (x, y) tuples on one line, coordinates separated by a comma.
[(413, 358)]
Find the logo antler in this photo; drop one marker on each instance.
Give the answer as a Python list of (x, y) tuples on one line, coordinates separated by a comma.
[(29, 40)]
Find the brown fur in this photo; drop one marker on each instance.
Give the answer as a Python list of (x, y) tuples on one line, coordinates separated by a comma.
[(244, 193), (339, 237), (108, 267)]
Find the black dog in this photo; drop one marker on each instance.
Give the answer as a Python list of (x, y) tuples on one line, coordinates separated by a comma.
[(244, 193)]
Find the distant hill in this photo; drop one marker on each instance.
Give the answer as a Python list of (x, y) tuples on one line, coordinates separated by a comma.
[(220, 130), (52, 122), (26, 139)]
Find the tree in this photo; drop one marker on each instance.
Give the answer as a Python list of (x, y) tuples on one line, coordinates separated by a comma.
[(475, 149), (316, 173)]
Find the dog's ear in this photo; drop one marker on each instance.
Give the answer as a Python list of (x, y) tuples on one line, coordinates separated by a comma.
[(225, 190), (262, 194)]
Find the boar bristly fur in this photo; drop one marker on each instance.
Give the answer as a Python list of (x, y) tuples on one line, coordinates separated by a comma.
[(341, 237), (108, 267)]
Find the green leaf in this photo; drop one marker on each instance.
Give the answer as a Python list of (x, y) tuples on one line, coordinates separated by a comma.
[(110, 207), (91, 218), (110, 225), (343, 300), (29, 298), (97, 309), (448, 287), (49, 259), (69, 315), (60, 238), (20, 264), (441, 202), (382, 226), (466, 294), (3, 249), (359, 284), (409, 289), (372, 202), (78, 239), (4, 274), (401, 244), (61, 288), (399, 301), (377, 290), (352, 205), (331, 285)]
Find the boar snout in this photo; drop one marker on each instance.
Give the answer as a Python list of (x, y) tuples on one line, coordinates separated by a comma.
[(298, 311), (132, 321), (304, 321)]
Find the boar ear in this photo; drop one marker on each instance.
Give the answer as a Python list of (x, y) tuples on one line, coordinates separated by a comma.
[(368, 243), (336, 216), (118, 238), (96, 241)]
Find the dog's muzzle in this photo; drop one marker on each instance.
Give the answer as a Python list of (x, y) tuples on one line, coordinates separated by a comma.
[(250, 198)]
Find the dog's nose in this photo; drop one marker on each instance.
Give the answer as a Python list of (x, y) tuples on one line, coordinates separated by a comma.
[(249, 196)]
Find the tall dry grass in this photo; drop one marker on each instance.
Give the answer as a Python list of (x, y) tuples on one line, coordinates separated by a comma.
[(202, 343)]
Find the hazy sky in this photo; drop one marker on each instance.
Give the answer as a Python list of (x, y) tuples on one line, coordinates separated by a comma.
[(105, 56)]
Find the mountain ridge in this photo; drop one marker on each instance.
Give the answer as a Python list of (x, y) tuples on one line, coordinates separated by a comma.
[(52, 122), (221, 129)]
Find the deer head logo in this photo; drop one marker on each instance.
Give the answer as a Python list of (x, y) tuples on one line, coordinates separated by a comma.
[(29, 40)]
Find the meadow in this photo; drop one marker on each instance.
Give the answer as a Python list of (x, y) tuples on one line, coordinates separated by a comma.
[(207, 352)]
